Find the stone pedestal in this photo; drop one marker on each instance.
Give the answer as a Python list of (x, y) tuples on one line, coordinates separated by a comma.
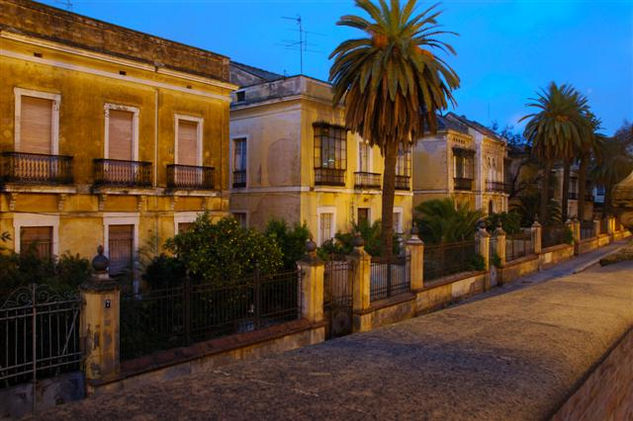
[(537, 234), (415, 250), (500, 245), (483, 246), (361, 284), (311, 291), (596, 227)]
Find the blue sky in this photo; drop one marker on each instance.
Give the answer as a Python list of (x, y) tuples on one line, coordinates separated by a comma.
[(506, 50)]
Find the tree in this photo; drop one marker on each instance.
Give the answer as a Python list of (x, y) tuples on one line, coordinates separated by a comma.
[(555, 130), (391, 84), (587, 151), (445, 221)]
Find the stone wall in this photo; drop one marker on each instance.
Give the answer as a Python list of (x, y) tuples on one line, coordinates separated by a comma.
[(607, 392), (585, 246), (556, 254), (517, 268)]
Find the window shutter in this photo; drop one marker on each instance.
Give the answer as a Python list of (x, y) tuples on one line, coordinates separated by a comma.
[(187, 142), (36, 125), (42, 237), (120, 132)]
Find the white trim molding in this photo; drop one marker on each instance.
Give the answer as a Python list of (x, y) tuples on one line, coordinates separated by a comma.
[(185, 217), (322, 210), (106, 134), (35, 220), (121, 218), (55, 97), (199, 133)]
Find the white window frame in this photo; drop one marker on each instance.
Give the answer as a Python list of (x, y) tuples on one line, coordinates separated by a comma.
[(322, 210), (106, 134), (370, 156), (185, 217), (245, 212), (400, 228), (56, 98), (35, 220), (121, 218), (199, 121), (232, 158)]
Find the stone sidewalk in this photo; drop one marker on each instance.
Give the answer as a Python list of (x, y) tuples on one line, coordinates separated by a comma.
[(513, 356)]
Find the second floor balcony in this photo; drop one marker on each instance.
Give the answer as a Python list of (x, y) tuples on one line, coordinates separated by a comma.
[(329, 177), (497, 187), (403, 182), (463, 184), (36, 169), (190, 177), (366, 180), (239, 178), (118, 173)]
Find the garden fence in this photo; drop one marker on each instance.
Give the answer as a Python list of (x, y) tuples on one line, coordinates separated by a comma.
[(519, 245), (553, 235), (587, 230), (389, 277), (448, 258)]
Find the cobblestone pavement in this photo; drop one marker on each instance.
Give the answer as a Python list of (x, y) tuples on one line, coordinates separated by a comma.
[(512, 356)]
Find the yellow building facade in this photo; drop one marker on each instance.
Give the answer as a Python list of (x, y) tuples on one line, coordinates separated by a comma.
[(292, 159), (108, 136), (463, 160)]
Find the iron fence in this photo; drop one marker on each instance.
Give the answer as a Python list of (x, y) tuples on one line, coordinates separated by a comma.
[(329, 177), (388, 277), (604, 226), (519, 245), (39, 330), (552, 235), (190, 177), (115, 172), (448, 258), (403, 182), (337, 297), (587, 230), (192, 312), (463, 183), (33, 168), (367, 180)]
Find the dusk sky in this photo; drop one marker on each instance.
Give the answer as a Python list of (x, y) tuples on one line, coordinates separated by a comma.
[(506, 50)]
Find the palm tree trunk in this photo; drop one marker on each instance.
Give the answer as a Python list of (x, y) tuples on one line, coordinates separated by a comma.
[(607, 200), (544, 217), (388, 194), (582, 185), (565, 199)]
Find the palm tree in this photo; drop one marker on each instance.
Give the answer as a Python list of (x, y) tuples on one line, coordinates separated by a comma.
[(556, 129), (445, 221), (391, 84), (587, 151)]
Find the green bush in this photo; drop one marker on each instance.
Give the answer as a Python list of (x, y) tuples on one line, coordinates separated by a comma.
[(496, 260), (446, 221), (478, 262), (291, 240), (510, 222), (224, 252), (165, 272), (343, 243), (569, 236)]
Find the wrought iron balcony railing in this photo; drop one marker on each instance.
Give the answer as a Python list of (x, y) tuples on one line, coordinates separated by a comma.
[(118, 173), (403, 182), (329, 177), (497, 186), (463, 183), (366, 180), (32, 168), (239, 178), (190, 177)]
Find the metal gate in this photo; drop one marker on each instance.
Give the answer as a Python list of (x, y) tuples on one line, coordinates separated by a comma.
[(39, 334), (337, 300)]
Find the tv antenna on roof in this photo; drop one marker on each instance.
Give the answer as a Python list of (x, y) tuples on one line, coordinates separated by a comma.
[(302, 44)]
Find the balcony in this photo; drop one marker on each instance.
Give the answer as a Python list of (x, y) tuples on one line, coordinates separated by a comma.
[(464, 184), (329, 177), (366, 180), (497, 187), (190, 177), (118, 173), (572, 195), (239, 178), (403, 182), (36, 169)]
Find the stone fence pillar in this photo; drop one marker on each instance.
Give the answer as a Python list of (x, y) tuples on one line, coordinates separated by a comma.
[(361, 284), (596, 227), (99, 325), (311, 292), (483, 246), (537, 235), (574, 226), (611, 226), (500, 245), (415, 249)]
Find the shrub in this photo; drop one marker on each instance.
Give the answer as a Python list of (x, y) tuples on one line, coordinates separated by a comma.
[(291, 241), (478, 262), (510, 222), (446, 221), (496, 260), (165, 272), (224, 252), (343, 243)]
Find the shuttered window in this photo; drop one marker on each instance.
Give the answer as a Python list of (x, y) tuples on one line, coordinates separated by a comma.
[(37, 239), (187, 142), (121, 248), (36, 122), (120, 135)]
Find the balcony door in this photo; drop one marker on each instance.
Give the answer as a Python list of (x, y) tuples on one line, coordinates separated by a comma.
[(188, 152), (36, 125), (121, 135)]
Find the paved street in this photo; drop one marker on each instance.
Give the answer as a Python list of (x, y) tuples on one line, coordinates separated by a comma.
[(509, 356)]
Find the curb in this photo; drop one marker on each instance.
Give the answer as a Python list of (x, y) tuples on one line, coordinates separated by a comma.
[(592, 262)]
